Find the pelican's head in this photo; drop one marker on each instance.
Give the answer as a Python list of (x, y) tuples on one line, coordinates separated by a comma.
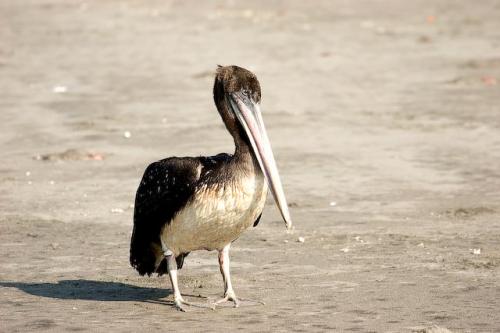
[(237, 96)]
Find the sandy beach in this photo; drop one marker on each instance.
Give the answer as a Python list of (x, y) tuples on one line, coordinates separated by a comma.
[(384, 118)]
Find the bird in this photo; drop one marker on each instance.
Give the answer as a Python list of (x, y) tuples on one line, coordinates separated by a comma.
[(186, 204)]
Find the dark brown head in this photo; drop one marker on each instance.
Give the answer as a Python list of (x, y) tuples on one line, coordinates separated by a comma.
[(237, 96), (231, 79), (234, 80)]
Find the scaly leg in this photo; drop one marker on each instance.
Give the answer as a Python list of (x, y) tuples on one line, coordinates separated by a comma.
[(229, 294), (178, 300)]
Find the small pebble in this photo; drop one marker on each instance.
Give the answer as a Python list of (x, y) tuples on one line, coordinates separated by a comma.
[(117, 210), (285, 241), (489, 80), (333, 203), (301, 239), (345, 250), (127, 134), (476, 251), (96, 157), (52, 182), (28, 173), (421, 245), (60, 89)]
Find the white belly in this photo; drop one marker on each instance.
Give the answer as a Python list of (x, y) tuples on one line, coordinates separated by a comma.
[(217, 215)]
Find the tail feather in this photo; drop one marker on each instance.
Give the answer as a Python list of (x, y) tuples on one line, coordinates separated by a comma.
[(146, 255)]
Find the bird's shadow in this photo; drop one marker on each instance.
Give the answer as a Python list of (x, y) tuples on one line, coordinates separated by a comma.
[(91, 290)]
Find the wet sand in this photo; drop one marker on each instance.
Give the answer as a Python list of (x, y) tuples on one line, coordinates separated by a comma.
[(384, 119)]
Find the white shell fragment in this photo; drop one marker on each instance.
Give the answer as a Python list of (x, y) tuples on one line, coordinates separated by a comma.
[(60, 89), (127, 134), (117, 210), (301, 239), (345, 249), (333, 203), (475, 251)]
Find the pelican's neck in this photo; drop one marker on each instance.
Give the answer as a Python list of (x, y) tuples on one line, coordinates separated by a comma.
[(244, 157)]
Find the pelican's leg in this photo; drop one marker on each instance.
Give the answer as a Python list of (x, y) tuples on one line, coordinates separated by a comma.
[(229, 294), (178, 300)]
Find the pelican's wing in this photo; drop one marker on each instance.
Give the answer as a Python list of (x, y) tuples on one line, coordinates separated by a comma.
[(165, 188)]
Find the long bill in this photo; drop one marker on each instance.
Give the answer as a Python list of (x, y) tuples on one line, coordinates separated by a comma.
[(249, 115)]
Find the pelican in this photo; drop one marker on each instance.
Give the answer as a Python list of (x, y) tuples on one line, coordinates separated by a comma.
[(185, 204)]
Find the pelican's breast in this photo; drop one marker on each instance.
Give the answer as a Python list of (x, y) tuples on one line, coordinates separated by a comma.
[(217, 214)]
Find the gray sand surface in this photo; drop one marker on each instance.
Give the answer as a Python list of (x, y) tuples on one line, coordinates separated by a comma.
[(385, 122)]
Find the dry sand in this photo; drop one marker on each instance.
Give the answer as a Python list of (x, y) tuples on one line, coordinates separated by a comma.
[(385, 121)]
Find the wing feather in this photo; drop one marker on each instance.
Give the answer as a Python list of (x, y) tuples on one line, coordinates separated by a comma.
[(165, 188)]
